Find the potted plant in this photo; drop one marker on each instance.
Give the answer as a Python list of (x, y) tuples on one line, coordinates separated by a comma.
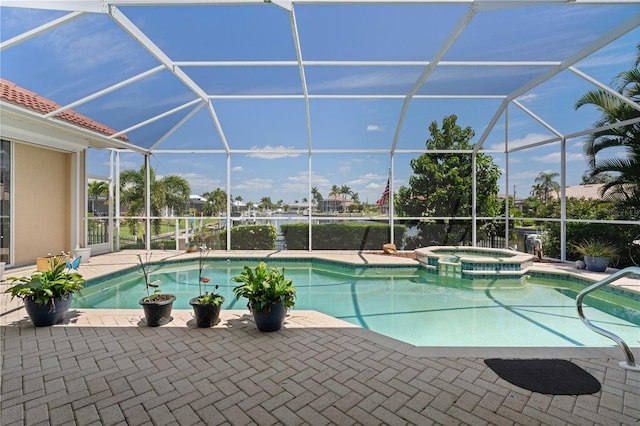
[(47, 295), (156, 305), (597, 254), (206, 307), (269, 293)]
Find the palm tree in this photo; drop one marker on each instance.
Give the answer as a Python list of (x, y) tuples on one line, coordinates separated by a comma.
[(265, 203), (177, 191), (624, 187), (216, 202), (544, 184), (96, 189), (315, 194), (345, 191), (171, 191)]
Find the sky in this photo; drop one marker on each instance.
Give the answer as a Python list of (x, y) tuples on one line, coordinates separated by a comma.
[(268, 136)]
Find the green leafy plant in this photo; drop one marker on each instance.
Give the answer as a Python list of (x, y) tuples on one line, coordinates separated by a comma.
[(211, 298), (44, 287), (596, 248), (264, 287)]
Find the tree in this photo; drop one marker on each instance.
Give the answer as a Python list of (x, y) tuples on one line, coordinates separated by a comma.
[(177, 191), (588, 179), (345, 191), (602, 147), (544, 184), (441, 185), (216, 202), (170, 191), (96, 189), (315, 194), (266, 203)]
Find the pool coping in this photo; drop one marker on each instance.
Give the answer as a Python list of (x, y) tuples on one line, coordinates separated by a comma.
[(14, 315)]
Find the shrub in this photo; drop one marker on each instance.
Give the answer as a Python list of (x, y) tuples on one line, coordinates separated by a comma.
[(250, 237), (341, 236)]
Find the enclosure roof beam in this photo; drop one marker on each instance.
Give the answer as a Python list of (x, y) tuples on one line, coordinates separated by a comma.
[(156, 118), (606, 88), (535, 117), (106, 91), (101, 6), (40, 30), (309, 63), (216, 122), (177, 126), (155, 51), (303, 78), (442, 50), (628, 25)]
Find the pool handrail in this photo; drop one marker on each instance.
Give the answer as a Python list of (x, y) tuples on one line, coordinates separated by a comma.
[(630, 363)]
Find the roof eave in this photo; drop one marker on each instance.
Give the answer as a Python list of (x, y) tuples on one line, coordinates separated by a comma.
[(28, 126)]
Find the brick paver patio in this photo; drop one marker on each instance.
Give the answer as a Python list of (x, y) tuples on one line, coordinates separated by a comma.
[(105, 367)]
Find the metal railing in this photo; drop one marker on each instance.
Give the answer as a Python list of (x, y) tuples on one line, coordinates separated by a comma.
[(630, 363)]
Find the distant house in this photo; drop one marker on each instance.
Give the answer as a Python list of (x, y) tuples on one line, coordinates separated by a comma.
[(334, 204), (590, 192), (196, 202), (517, 201), (300, 207)]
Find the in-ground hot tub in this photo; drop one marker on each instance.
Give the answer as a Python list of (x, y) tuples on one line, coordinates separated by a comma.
[(474, 262)]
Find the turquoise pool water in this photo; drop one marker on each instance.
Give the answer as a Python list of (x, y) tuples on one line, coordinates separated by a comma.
[(408, 304)]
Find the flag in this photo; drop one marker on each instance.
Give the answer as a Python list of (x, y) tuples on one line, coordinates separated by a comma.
[(385, 195)]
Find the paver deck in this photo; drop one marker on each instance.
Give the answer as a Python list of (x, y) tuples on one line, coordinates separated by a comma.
[(105, 367)]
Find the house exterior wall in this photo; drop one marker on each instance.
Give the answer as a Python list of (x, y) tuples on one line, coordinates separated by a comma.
[(42, 197)]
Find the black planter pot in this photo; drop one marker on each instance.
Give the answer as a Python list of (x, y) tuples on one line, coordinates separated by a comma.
[(272, 321), (158, 313), (596, 264), (46, 315), (206, 315)]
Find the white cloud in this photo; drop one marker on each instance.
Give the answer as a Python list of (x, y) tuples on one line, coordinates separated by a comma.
[(374, 128), (272, 153), (369, 180), (364, 80), (199, 183), (75, 44), (529, 174), (554, 157), (126, 165), (254, 184), (528, 97), (526, 140), (345, 169), (237, 169)]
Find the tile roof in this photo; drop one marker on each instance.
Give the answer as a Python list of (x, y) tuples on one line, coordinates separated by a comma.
[(590, 192), (17, 95)]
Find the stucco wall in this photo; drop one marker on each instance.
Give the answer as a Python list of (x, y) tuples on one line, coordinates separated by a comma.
[(42, 202)]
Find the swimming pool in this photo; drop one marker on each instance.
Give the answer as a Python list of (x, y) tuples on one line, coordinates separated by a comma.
[(406, 303)]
